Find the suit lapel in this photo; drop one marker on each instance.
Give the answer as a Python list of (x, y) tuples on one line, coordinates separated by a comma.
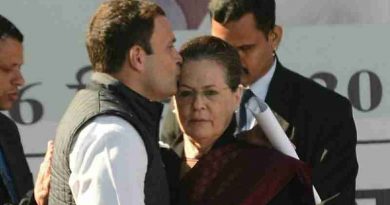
[(280, 100)]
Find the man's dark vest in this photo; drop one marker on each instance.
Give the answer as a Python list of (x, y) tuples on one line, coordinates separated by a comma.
[(105, 96)]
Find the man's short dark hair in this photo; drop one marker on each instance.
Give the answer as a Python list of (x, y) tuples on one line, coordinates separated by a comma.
[(225, 11), (213, 48), (8, 29), (117, 26)]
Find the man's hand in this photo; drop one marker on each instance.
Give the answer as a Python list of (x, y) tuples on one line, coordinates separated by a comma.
[(42, 185)]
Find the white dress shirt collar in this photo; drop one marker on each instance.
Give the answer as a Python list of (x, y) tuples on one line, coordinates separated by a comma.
[(261, 85)]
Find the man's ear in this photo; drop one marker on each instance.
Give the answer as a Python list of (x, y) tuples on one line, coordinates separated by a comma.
[(136, 57), (275, 36)]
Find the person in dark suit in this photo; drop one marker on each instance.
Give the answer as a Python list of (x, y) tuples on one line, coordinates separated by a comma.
[(321, 124), (16, 181), (13, 155), (16, 178)]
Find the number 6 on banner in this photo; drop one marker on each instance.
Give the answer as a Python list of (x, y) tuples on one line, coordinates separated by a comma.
[(36, 107)]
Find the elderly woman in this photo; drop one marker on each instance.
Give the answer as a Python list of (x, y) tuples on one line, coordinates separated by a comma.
[(211, 166)]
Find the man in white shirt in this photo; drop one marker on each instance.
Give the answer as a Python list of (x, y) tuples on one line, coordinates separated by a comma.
[(106, 148)]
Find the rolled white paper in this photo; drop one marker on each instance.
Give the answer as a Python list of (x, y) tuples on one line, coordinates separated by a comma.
[(274, 132)]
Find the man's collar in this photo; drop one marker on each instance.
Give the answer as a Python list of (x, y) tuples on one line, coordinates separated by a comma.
[(261, 85), (103, 78)]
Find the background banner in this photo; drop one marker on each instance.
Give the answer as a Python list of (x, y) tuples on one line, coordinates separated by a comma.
[(343, 45)]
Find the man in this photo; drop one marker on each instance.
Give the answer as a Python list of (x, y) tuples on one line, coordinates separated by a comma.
[(16, 179), (106, 147), (321, 122)]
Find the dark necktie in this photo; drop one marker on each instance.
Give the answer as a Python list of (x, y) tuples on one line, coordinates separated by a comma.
[(244, 100), (7, 179)]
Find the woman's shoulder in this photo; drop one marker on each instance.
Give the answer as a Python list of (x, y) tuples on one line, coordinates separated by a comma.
[(250, 172), (265, 153)]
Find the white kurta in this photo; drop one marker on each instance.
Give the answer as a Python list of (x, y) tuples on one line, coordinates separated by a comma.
[(108, 164)]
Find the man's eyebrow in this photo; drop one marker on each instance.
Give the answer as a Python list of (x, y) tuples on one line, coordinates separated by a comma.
[(209, 86), (203, 87), (186, 86), (245, 46)]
